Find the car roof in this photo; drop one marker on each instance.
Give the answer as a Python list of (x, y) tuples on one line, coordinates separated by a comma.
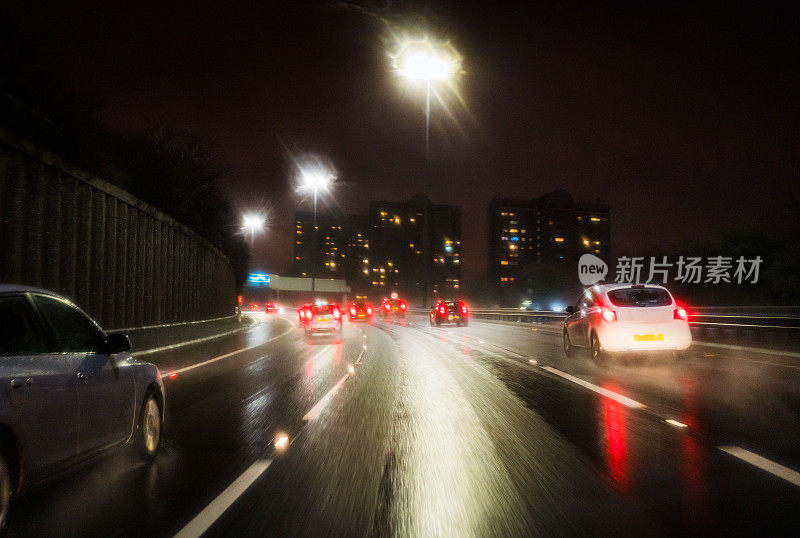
[(18, 288), (609, 287)]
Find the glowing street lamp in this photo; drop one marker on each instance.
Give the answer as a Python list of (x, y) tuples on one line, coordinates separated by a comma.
[(423, 60), (317, 177), (253, 223)]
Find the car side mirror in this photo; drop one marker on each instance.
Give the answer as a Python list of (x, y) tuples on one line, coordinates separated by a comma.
[(117, 343), (570, 310)]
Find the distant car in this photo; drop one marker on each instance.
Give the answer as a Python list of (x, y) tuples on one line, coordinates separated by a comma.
[(619, 318), (71, 390), (360, 311), (449, 311), (304, 313), (271, 308), (254, 307), (323, 319), (393, 307)]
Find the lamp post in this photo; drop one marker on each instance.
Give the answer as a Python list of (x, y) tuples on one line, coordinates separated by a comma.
[(426, 62), (315, 177)]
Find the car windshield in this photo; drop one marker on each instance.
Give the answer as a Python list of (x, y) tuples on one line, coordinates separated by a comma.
[(640, 297)]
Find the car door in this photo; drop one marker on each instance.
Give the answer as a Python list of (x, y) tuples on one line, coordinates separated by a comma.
[(41, 410), (577, 327), (103, 385)]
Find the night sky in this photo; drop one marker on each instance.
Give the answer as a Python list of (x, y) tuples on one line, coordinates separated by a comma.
[(683, 119)]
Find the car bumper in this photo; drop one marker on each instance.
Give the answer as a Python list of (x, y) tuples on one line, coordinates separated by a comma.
[(629, 336), (323, 329)]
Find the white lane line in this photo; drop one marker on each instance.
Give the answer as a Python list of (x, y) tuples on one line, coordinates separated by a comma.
[(226, 355), (599, 390), (323, 403), (186, 343), (317, 409), (202, 521), (775, 469), (125, 329)]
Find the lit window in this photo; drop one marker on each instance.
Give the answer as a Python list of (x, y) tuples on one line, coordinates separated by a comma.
[(503, 262), (559, 239)]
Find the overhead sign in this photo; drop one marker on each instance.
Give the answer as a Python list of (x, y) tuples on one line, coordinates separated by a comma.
[(258, 279)]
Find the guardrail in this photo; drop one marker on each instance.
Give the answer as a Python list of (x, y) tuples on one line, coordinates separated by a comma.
[(772, 318)]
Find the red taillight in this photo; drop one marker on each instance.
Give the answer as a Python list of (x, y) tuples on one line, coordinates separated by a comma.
[(403, 306), (608, 314), (442, 310), (353, 310), (681, 313), (307, 314), (463, 309), (369, 310), (387, 306), (336, 313)]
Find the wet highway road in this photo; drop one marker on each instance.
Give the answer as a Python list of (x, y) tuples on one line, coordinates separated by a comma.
[(405, 429)]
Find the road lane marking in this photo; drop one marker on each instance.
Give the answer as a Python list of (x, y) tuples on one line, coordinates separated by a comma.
[(202, 521), (315, 411), (186, 343), (320, 405), (226, 355), (145, 327), (624, 400), (775, 469)]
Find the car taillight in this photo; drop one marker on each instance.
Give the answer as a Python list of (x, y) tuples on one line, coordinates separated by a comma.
[(307, 314), (403, 306), (442, 310), (387, 306), (353, 311), (463, 309), (680, 313), (369, 310), (608, 314), (336, 313)]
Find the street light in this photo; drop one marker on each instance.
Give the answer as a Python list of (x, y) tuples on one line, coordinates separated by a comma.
[(253, 223), (423, 60), (313, 175)]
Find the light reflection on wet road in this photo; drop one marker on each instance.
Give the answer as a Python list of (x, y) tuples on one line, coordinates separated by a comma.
[(444, 431)]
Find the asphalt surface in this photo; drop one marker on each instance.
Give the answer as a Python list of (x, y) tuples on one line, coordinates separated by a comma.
[(404, 429)]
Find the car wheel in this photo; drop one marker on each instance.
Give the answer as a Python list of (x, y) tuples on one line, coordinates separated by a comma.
[(599, 355), (150, 426), (5, 491), (569, 349)]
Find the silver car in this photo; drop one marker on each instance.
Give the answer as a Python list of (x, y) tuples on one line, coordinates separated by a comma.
[(69, 390)]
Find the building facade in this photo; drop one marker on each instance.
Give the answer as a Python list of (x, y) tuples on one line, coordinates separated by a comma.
[(552, 229), (382, 251)]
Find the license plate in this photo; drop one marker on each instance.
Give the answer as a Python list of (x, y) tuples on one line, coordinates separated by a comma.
[(647, 337), (322, 319)]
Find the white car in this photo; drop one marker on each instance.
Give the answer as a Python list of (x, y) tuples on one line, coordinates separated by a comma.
[(618, 318)]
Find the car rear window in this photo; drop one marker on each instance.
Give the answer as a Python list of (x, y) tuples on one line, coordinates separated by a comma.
[(640, 297), (322, 309)]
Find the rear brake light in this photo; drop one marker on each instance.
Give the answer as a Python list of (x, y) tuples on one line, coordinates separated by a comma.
[(387, 306), (369, 310), (403, 306), (608, 314), (353, 311), (336, 313), (442, 310), (463, 309), (680, 313)]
